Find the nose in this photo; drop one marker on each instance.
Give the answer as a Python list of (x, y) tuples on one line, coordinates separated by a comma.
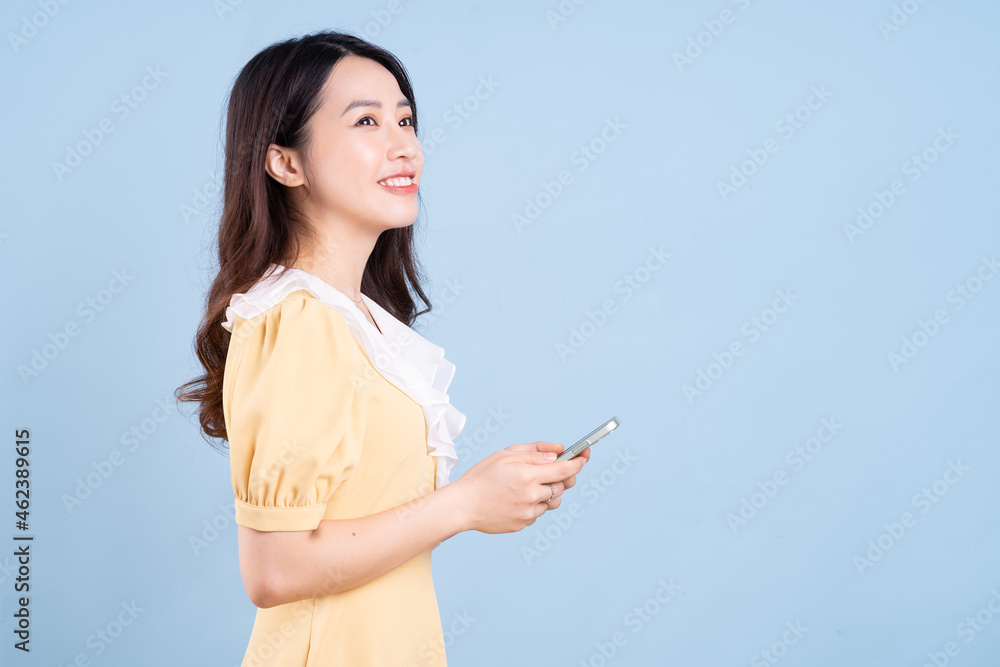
[(404, 143)]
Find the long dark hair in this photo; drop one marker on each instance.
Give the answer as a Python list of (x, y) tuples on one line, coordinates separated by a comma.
[(272, 100)]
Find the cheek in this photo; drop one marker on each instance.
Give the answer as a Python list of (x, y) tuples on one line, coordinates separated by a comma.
[(363, 156), (358, 164), (349, 161)]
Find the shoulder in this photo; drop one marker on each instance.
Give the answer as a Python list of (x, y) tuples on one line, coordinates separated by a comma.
[(298, 311), (299, 331)]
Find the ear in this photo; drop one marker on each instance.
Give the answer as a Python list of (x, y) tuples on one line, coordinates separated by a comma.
[(284, 165)]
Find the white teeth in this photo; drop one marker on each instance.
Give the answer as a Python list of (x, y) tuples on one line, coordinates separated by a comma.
[(397, 182)]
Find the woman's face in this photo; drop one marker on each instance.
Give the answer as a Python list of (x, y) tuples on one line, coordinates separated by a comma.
[(361, 135)]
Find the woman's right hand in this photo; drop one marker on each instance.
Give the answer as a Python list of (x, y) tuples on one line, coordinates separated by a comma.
[(508, 489)]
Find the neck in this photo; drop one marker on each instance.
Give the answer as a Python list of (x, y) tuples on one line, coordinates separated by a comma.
[(339, 260)]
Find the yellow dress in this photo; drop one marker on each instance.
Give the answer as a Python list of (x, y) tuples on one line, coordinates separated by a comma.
[(316, 432)]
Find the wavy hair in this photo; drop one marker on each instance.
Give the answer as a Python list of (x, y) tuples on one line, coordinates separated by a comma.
[(272, 100)]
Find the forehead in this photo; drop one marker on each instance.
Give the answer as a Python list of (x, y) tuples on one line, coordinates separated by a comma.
[(354, 77)]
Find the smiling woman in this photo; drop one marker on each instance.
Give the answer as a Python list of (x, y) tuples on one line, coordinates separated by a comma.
[(339, 427)]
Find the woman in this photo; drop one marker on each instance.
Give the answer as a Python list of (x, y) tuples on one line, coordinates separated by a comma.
[(339, 428)]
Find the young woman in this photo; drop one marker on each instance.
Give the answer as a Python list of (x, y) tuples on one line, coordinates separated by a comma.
[(339, 427)]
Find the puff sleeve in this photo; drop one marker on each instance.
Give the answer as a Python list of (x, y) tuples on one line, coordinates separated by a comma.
[(295, 412)]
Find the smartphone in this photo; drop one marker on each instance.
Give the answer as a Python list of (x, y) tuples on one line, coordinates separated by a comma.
[(590, 439)]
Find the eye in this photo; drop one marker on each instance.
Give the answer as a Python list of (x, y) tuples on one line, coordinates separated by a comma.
[(408, 120)]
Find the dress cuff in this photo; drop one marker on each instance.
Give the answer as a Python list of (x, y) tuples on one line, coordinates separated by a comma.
[(279, 518)]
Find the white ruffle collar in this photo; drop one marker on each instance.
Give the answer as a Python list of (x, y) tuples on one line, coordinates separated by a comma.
[(401, 355)]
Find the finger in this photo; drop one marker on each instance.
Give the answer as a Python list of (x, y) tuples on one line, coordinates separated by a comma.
[(543, 446), (537, 446), (569, 482), (539, 458), (545, 492), (558, 471), (554, 503), (551, 491)]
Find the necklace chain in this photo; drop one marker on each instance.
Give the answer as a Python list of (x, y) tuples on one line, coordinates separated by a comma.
[(358, 300)]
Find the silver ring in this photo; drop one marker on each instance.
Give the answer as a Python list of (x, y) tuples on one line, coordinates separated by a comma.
[(553, 489)]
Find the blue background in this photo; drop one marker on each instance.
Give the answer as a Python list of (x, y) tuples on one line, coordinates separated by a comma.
[(659, 507)]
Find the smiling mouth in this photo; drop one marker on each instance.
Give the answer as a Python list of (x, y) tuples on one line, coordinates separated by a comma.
[(397, 182)]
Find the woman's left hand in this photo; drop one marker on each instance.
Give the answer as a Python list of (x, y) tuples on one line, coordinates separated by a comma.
[(558, 487)]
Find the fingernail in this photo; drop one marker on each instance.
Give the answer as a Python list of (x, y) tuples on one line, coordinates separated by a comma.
[(550, 456)]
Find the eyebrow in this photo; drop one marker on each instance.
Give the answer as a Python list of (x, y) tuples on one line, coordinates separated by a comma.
[(373, 103)]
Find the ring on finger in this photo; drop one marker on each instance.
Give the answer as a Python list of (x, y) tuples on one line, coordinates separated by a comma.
[(553, 489)]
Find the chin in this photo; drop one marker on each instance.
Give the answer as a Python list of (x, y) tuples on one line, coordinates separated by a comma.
[(397, 223), (404, 220)]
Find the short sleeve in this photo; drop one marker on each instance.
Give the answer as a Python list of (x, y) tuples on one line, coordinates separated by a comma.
[(295, 412)]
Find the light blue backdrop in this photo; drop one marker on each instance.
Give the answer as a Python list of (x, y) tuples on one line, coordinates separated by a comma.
[(762, 234)]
